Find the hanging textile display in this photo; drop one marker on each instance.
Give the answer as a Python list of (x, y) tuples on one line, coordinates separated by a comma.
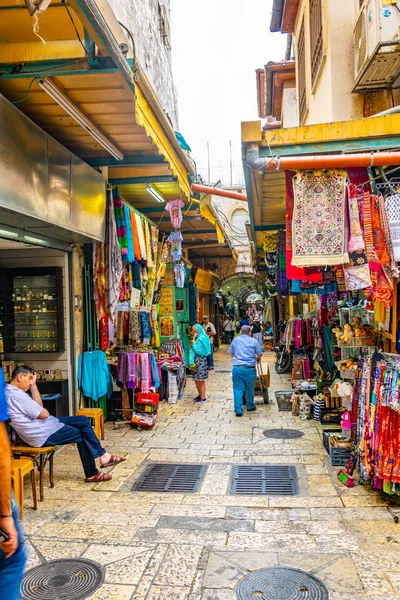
[(292, 272), (114, 260), (282, 281), (356, 240), (175, 238), (120, 222), (179, 271), (393, 214), (319, 219), (174, 207)]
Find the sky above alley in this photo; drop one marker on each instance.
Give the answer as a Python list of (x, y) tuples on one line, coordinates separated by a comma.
[(217, 46)]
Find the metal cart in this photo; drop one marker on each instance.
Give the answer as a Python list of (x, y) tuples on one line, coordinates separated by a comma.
[(262, 383)]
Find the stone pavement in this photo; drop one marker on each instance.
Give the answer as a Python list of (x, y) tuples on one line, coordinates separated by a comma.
[(198, 546)]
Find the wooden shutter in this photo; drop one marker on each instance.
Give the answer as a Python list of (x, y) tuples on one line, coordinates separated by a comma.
[(316, 37), (301, 58)]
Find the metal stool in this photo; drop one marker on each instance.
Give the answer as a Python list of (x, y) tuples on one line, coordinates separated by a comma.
[(97, 415)]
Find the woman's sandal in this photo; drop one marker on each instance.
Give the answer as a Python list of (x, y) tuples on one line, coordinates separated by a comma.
[(114, 460), (99, 477)]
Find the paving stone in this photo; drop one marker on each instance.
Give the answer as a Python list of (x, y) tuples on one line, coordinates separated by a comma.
[(168, 592), (216, 480), (108, 554), (86, 532), (221, 573), (113, 592), (261, 514), (237, 541), (179, 566), (128, 570), (150, 572), (216, 512), (54, 549), (180, 536), (205, 524)]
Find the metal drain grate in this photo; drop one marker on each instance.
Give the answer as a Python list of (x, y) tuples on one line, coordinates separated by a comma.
[(267, 480), (222, 371), (283, 434), (170, 478), (279, 582), (65, 579)]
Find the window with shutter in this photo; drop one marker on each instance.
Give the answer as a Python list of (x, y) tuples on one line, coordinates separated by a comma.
[(316, 37), (301, 61)]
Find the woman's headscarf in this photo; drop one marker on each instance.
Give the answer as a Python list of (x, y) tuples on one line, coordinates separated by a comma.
[(202, 344)]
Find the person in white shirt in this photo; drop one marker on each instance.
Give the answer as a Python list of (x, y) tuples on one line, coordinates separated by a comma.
[(229, 329), (210, 330)]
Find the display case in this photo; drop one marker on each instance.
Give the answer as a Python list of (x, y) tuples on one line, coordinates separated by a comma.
[(32, 312), (356, 346)]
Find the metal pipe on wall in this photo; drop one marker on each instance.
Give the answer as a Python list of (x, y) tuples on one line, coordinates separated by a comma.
[(205, 189), (320, 161)]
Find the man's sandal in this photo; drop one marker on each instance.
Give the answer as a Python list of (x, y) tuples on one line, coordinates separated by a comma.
[(99, 477), (114, 460)]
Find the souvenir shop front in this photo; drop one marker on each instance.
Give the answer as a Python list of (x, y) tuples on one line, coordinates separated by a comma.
[(140, 301), (332, 264)]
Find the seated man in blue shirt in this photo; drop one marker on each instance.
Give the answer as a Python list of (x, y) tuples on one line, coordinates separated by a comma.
[(245, 351), (37, 428)]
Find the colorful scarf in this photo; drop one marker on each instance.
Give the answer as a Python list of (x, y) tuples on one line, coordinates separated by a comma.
[(120, 222), (393, 212), (387, 233), (319, 219), (130, 255), (282, 282), (99, 279), (135, 237), (378, 234), (145, 372), (356, 240), (131, 370), (201, 346), (114, 261)]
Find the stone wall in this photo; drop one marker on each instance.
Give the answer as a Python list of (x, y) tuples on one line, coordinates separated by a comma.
[(142, 19)]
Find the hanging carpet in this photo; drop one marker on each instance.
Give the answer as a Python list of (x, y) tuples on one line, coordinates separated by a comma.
[(319, 219)]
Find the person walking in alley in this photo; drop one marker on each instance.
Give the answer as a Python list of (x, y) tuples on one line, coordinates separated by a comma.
[(12, 553), (202, 350), (210, 330), (245, 351), (256, 330), (36, 427)]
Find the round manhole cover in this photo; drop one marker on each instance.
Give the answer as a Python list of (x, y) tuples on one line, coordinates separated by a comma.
[(281, 583), (283, 434), (66, 579)]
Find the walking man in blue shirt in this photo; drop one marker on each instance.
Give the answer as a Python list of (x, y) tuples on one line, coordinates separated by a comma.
[(245, 351)]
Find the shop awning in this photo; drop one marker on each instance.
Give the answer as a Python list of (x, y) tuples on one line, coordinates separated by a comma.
[(267, 190), (100, 83)]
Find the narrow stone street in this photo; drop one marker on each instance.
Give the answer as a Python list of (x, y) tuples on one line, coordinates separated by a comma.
[(199, 546)]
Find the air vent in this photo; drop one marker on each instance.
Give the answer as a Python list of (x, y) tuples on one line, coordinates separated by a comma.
[(264, 480), (171, 478)]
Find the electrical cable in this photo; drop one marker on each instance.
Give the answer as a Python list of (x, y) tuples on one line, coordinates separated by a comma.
[(128, 31), (76, 29), (27, 93)]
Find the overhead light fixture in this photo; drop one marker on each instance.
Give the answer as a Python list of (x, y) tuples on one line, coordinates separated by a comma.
[(153, 192), (62, 100)]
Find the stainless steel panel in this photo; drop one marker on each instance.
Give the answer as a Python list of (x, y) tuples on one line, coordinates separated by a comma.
[(41, 179), (87, 199), (59, 184), (23, 165)]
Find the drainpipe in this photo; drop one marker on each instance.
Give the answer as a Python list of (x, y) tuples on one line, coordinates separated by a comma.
[(324, 161), (276, 18), (205, 189)]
